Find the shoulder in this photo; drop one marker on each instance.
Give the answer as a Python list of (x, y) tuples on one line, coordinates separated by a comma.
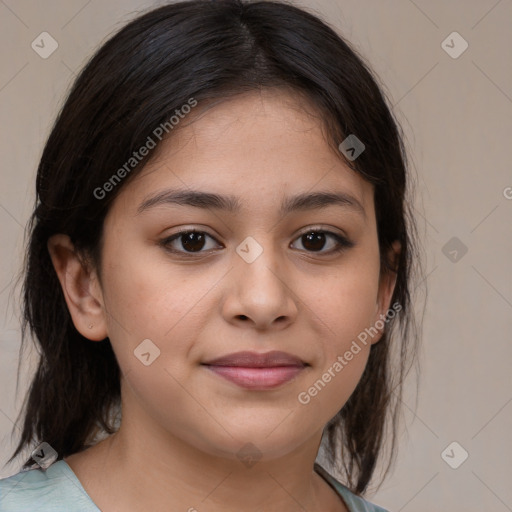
[(354, 503), (55, 489)]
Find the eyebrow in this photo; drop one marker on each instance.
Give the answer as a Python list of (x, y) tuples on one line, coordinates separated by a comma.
[(231, 204)]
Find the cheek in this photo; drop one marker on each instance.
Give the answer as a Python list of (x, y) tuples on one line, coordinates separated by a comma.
[(348, 304), (345, 353), (345, 309), (147, 303), (168, 305), (147, 298)]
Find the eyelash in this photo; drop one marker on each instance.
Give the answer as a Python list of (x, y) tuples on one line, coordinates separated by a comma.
[(343, 243)]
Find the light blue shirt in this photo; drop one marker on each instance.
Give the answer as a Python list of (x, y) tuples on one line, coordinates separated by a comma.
[(57, 489)]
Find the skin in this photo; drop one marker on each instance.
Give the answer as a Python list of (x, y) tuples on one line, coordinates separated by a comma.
[(183, 425)]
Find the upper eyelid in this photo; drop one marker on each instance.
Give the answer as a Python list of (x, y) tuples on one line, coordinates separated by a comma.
[(301, 233), (341, 238)]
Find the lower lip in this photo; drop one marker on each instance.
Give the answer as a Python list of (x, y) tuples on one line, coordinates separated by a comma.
[(257, 378)]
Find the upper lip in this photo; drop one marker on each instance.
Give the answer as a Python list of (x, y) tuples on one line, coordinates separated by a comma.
[(257, 360)]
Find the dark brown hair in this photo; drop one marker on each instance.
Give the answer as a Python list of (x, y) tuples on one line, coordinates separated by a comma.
[(134, 83)]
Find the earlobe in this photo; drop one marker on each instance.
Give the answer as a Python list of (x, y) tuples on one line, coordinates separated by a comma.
[(80, 287)]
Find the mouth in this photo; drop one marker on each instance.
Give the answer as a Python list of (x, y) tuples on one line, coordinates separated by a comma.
[(251, 370)]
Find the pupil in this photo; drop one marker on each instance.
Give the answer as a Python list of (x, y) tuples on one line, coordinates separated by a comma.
[(190, 244), (315, 238)]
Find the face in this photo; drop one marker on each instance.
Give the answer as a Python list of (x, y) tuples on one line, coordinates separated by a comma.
[(259, 277)]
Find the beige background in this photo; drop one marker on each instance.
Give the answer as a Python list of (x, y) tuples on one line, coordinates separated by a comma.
[(457, 115)]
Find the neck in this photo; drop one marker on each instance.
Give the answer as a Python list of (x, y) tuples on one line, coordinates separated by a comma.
[(120, 474)]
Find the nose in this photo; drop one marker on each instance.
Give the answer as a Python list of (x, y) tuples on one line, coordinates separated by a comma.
[(261, 293)]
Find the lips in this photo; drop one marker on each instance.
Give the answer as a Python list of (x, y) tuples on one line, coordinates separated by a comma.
[(256, 360), (254, 371)]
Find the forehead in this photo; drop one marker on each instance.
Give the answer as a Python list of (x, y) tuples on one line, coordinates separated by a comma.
[(259, 147)]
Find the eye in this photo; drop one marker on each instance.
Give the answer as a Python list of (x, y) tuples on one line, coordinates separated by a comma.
[(314, 240), (192, 241)]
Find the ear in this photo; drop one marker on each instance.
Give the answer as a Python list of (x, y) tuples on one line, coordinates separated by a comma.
[(81, 288), (387, 282)]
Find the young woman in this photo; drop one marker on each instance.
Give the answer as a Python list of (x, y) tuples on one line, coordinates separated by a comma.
[(218, 272)]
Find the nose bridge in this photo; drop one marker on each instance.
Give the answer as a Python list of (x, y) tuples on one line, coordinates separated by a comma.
[(260, 291), (260, 262)]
